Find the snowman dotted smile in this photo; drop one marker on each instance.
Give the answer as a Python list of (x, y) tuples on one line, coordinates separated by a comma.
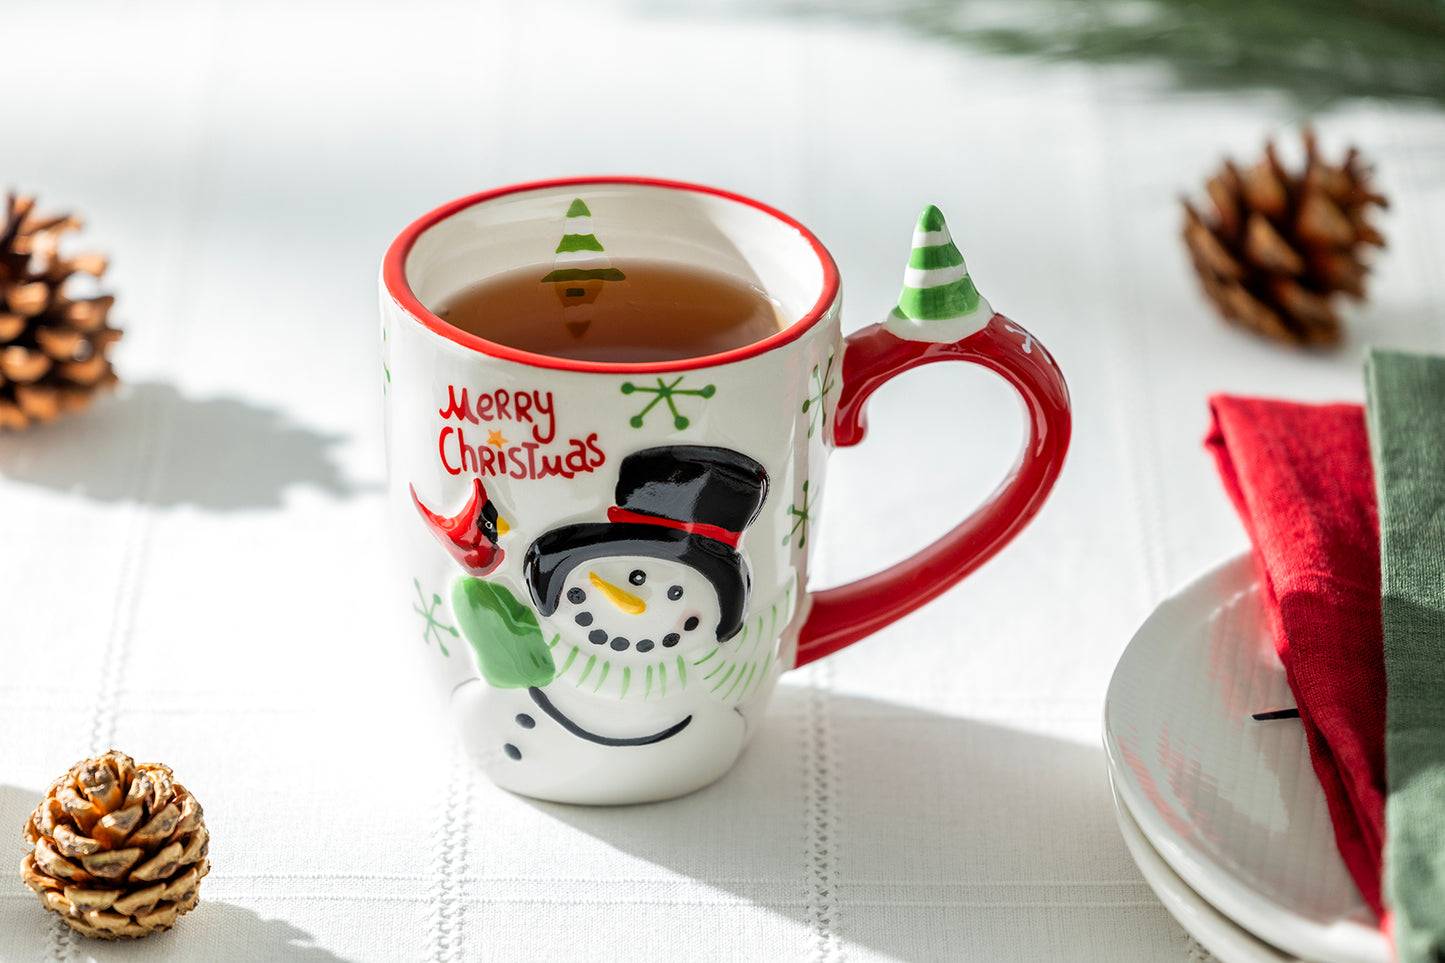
[(637, 605)]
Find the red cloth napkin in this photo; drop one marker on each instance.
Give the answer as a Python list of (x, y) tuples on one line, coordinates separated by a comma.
[(1301, 479)]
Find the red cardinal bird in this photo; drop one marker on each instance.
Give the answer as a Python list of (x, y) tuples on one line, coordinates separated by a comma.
[(471, 535)]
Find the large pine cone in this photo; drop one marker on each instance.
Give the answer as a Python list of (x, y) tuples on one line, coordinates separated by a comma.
[(52, 349), (1280, 245), (119, 849)]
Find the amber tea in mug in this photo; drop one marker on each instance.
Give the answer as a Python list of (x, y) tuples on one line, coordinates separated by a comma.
[(644, 311)]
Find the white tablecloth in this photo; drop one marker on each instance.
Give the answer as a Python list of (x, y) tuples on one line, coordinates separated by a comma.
[(193, 572)]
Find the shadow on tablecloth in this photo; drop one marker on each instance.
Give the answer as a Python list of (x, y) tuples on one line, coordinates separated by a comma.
[(912, 829), (150, 443), (16, 805)]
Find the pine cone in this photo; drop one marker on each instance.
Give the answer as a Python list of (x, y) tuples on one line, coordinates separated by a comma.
[(119, 849), (52, 349), (1281, 245)]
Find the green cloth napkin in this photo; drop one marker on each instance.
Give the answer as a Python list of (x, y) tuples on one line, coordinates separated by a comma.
[(1406, 409)]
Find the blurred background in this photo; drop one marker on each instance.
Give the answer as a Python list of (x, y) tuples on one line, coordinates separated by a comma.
[(246, 164)]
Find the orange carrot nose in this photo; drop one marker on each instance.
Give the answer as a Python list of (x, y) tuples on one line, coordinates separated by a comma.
[(621, 598)]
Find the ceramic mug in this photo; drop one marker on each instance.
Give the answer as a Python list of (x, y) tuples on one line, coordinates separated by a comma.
[(608, 561)]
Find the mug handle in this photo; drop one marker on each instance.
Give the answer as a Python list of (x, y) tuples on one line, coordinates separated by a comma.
[(841, 616)]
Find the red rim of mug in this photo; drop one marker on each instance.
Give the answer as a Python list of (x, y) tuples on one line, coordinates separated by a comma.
[(393, 273)]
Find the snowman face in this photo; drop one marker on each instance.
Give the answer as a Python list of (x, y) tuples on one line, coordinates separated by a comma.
[(636, 607)]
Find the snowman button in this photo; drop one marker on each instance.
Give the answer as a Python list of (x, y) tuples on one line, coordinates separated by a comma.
[(597, 636), (525, 721), (584, 618), (620, 643), (645, 645), (671, 639), (512, 751)]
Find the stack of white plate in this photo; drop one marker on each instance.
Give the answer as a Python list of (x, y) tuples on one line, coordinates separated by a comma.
[(1222, 813)]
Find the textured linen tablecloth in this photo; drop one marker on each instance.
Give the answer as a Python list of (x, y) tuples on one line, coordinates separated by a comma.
[(193, 572)]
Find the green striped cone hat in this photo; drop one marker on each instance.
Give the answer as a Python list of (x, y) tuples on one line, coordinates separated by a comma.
[(580, 256), (939, 301)]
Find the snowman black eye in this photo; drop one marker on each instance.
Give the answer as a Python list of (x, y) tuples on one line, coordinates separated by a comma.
[(675, 592), (637, 577), (576, 596)]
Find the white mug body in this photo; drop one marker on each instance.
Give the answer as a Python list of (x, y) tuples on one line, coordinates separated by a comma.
[(605, 564)]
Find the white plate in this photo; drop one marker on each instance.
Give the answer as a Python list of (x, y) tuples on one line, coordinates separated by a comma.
[(1232, 805), (1227, 941)]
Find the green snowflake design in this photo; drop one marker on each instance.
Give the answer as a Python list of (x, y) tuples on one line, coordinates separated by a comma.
[(433, 626), (801, 517), (822, 385), (384, 369), (666, 392)]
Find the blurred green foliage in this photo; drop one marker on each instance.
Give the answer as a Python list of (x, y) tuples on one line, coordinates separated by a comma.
[(1317, 51)]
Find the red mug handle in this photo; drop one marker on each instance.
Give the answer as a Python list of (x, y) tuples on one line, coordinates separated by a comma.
[(843, 615)]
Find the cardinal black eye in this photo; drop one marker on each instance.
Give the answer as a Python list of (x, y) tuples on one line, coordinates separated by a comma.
[(675, 592), (637, 577)]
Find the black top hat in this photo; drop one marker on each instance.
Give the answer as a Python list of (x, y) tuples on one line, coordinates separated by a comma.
[(687, 503)]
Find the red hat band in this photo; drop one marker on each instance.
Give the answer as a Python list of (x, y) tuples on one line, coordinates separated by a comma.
[(714, 532)]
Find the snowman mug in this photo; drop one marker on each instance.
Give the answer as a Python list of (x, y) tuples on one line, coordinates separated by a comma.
[(608, 561)]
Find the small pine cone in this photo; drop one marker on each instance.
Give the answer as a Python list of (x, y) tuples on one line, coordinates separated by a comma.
[(1278, 246), (118, 849), (53, 350)]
